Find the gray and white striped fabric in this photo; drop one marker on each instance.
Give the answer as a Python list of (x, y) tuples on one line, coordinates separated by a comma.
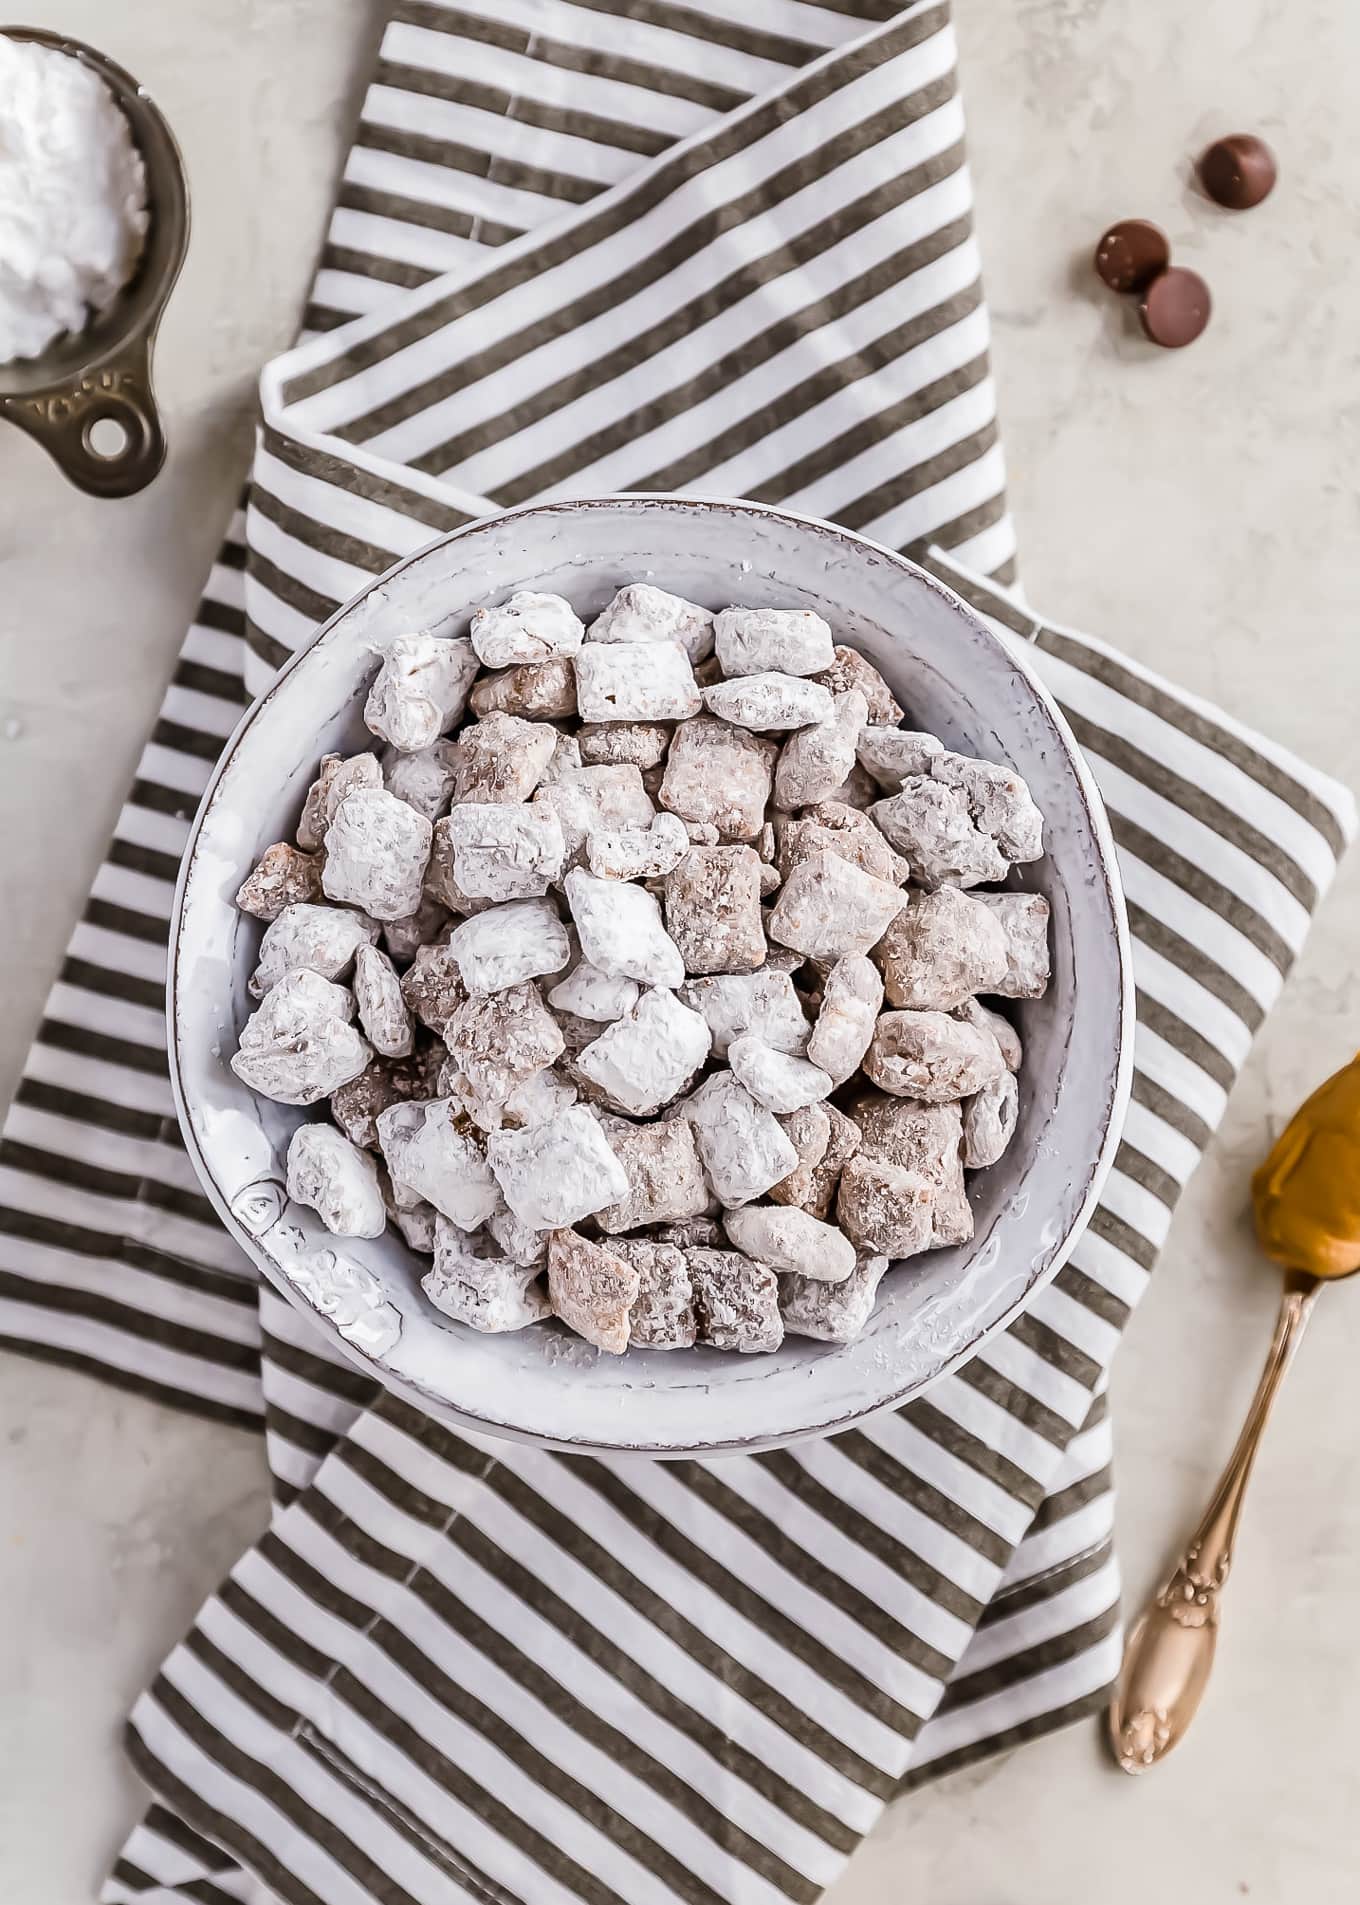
[(585, 245)]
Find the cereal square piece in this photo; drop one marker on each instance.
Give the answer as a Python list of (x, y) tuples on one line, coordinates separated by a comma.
[(324, 939), (718, 775), (642, 613), (832, 1312), (781, 1082), (736, 1302), (588, 993), (441, 884), (519, 1242), (635, 681), (790, 1239), (930, 824), (756, 641), (433, 987), (1000, 803), (639, 744), (770, 704), (1000, 1028), (592, 1289), (713, 910), (496, 1041), (400, 1200), (420, 690), (765, 1003), (284, 877), (577, 1033), (298, 1045), (530, 627), (403, 938), (382, 1010), (621, 932), (413, 1218), (930, 1056), (743, 1146), (696, 1233), (858, 790), (632, 854), (377, 849), (927, 1139), (504, 852), (504, 946), (853, 670), (539, 690), (434, 1149), (337, 1180), (1023, 918), (851, 996), (538, 1100), (557, 1173), (643, 1061), (666, 1180), (989, 1122), (941, 949), (474, 1285), (820, 1200), (566, 756), (883, 1208), (502, 759), (827, 908), (384, 1082), (891, 755), (662, 1316), (424, 780), (814, 762), (829, 826), (809, 1132), (337, 778), (587, 798)]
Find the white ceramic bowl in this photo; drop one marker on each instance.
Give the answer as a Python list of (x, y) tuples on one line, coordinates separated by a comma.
[(957, 680)]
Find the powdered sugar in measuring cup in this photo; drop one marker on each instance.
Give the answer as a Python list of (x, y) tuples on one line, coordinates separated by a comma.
[(73, 201)]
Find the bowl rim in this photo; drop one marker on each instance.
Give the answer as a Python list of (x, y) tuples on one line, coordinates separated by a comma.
[(1121, 1072)]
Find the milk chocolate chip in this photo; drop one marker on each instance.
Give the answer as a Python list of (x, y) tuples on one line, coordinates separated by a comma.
[(1131, 254), (1238, 171), (1175, 308)]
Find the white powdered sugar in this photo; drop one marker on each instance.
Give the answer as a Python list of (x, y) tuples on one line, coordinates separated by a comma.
[(780, 1081), (555, 1174), (431, 1149), (338, 1181), (73, 214), (643, 1061)]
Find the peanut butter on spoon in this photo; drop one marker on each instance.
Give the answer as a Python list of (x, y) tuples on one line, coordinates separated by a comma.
[(1307, 1192), (1306, 1196)]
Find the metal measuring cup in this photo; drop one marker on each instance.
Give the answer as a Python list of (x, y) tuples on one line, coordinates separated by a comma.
[(102, 375)]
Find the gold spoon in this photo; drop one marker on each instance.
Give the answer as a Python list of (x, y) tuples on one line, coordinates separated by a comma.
[(1307, 1203)]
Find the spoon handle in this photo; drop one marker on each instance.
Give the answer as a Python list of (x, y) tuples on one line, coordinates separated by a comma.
[(1171, 1647)]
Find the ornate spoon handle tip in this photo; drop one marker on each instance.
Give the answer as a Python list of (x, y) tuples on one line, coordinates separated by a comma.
[(1170, 1648)]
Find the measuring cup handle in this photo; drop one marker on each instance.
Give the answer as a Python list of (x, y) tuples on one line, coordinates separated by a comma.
[(63, 421)]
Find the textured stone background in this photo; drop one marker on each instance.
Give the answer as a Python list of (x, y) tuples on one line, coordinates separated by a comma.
[(1198, 510)]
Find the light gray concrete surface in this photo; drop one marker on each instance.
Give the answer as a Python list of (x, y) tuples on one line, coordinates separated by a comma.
[(1197, 509)]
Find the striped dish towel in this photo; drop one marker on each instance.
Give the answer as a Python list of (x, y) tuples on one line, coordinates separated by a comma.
[(585, 245)]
